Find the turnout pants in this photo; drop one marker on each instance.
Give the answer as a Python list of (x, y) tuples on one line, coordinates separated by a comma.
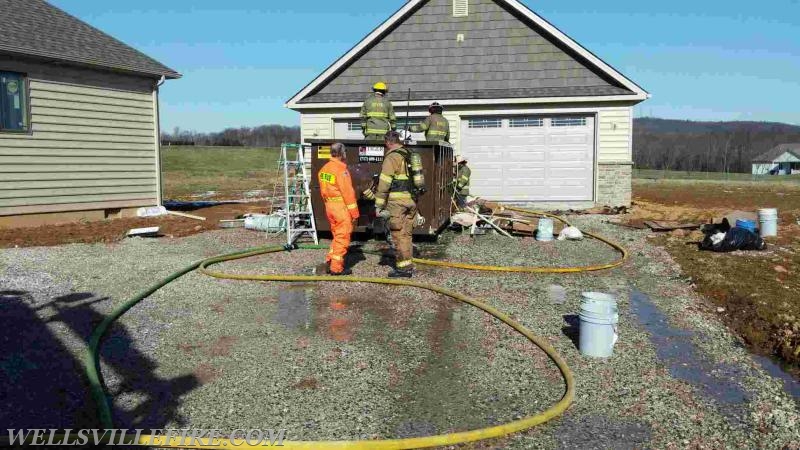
[(401, 226), (341, 228)]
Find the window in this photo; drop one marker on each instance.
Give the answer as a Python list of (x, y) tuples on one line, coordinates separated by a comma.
[(13, 102), (460, 8), (525, 122), (485, 123), (568, 121), (353, 126)]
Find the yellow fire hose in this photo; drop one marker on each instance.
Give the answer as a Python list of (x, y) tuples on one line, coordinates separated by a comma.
[(92, 367)]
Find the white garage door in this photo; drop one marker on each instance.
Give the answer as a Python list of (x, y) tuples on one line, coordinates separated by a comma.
[(530, 158)]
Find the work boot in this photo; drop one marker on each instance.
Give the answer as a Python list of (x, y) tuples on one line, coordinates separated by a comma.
[(401, 273), (343, 272)]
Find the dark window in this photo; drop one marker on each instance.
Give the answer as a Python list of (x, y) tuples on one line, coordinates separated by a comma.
[(13, 102), (353, 126)]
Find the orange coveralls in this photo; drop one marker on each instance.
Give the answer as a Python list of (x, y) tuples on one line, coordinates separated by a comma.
[(336, 188)]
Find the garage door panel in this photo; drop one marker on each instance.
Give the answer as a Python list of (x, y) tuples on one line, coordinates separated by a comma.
[(537, 163)]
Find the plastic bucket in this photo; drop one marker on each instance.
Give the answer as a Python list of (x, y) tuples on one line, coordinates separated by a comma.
[(748, 225), (544, 232), (270, 224), (599, 317), (768, 221)]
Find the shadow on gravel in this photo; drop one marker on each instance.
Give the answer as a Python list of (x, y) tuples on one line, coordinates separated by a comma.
[(572, 329), (43, 383)]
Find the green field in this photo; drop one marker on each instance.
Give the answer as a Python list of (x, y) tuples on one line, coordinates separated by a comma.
[(229, 171), (647, 174)]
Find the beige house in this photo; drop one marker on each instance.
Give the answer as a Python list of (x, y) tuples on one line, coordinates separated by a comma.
[(79, 128), (541, 119)]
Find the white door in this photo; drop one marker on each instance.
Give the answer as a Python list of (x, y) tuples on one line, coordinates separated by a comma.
[(530, 158)]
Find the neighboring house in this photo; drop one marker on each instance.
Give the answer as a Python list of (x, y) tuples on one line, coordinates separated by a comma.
[(78, 119), (540, 118), (781, 160)]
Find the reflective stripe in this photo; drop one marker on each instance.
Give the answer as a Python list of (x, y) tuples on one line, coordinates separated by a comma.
[(405, 263), (333, 199), (464, 177), (437, 132), (352, 206), (386, 178), (377, 131), (336, 257), (401, 177), (325, 177), (379, 202), (398, 195), (381, 115)]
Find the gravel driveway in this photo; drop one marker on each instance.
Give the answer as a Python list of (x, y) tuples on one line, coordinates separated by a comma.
[(358, 361)]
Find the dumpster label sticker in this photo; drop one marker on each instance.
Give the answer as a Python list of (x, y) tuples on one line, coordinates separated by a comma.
[(370, 154), (324, 153)]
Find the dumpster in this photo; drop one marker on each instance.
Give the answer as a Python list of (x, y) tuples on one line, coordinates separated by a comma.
[(364, 160)]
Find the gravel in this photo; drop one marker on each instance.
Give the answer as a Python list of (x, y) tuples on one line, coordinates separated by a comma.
[(361, 361)]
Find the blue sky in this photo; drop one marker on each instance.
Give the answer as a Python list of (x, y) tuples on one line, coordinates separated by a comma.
[(242, 59)]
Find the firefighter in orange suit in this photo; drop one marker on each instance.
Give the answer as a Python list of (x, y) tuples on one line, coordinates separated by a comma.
[(336, 188)]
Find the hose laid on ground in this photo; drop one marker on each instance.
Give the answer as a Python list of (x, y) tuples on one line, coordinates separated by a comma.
[(92, 363)]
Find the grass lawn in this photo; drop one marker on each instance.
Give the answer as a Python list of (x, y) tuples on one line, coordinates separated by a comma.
[(710, 176), (229, 171)]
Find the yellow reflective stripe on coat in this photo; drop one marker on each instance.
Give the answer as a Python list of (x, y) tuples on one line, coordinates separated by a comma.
[(376, 131), (379, 202), (442, 133), (325, 177), (380, 115), (352, 206), (405, 263), (386, 178), (401, 177), (398, 195), (334, 199)]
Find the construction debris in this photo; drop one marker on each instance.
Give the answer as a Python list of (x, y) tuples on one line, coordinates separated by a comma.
[(143, 232), (665, 225), (181, 214)]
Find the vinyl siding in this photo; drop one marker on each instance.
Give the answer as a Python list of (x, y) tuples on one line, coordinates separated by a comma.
[(317, 125), (615, 135), (89, 145)]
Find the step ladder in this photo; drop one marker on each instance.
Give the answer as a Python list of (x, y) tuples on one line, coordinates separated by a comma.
[(300, 220)]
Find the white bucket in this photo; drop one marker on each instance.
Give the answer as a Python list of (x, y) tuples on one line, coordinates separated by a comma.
[(599, 317), (544, 232), (768, 222)]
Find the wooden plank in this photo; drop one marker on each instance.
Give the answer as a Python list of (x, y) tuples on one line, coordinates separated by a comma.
[(662, 225)]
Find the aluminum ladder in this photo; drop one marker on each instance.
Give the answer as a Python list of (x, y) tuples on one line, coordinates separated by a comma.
[(300, 220)]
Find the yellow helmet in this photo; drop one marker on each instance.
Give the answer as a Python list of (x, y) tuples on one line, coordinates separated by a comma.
[(380, 86)]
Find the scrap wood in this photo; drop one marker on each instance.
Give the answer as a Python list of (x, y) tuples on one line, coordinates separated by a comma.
[(489, 221), (661, 225), (143, 232), (191, 216)]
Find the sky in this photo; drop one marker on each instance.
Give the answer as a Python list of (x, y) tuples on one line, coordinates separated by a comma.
[(242, 59)]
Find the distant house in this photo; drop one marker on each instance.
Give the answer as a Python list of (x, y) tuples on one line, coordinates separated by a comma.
[(540, 118), (79, 129), (781, 160)]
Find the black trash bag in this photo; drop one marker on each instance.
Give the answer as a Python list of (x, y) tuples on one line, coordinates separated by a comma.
[(735, 239)]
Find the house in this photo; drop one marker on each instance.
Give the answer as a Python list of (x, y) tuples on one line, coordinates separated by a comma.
[(540, 118), (781, 160), (78, 119)]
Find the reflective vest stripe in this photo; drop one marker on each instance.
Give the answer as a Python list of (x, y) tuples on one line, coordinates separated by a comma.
[(378, 114), (386, 178), (352, 206), (377, 131), (325, 177), (334, 199), (399, 195)]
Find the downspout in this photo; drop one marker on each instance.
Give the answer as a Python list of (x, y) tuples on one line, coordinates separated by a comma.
[(157, 122)]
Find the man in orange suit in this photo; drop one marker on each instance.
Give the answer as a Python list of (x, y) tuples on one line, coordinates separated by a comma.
[(336, 188)]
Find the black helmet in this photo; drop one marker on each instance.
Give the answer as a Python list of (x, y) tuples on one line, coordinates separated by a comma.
[(435, 108)]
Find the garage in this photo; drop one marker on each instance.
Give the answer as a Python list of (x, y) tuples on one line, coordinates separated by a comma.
[(530, 158)]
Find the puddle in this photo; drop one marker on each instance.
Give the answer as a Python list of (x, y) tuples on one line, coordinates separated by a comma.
[(790, 384), (685, 361), (294, 307)]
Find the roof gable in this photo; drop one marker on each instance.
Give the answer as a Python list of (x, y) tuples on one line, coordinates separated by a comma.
[(507, 52), (777, 152), (36, 28)]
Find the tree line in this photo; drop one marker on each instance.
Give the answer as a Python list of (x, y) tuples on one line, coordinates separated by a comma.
[(261, 136), (705, 146)]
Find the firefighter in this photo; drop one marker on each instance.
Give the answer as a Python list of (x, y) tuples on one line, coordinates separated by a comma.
[(435, 126), (341, 208), (394, 201), (461, 183), (377, 114)]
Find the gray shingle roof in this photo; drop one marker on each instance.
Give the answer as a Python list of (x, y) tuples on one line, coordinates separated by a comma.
[(502, 56), (36, 28), (776, 152)]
